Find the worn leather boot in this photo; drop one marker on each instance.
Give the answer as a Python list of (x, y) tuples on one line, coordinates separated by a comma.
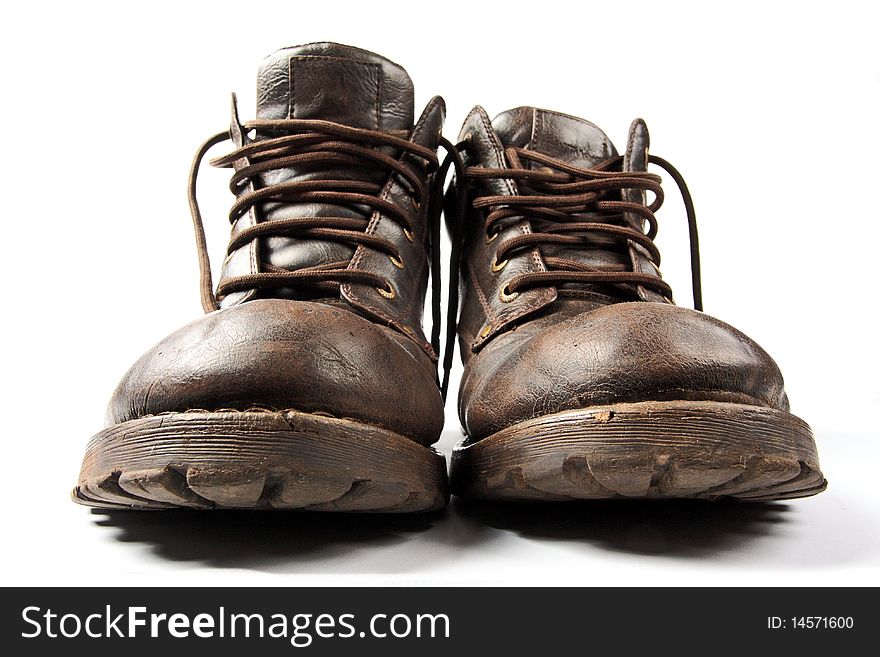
[(309, 383), (582, 379)]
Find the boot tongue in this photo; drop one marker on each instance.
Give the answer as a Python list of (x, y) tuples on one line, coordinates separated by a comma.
[(568, 138), (334, 82)]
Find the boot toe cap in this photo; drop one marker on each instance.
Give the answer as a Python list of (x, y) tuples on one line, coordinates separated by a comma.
[(282, 354), (626, 352)]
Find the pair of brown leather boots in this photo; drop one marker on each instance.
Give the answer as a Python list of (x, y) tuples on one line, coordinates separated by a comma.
[(309, 383)]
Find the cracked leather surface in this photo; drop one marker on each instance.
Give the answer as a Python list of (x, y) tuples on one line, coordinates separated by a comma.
[(356, 355), (578, 347)]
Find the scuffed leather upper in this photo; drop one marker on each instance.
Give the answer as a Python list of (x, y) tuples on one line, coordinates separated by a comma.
[(554, 349), (627, 352), (283, 354), (356, 354)]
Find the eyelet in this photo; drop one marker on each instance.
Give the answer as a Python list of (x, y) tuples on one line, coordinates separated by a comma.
[(397, 262), (487, 329), (491, 237), (498, 266), (408, 235), (505, 295), (387, 292)]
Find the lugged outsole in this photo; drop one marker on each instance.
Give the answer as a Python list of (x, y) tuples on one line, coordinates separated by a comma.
[(677, 449), (259, 460)]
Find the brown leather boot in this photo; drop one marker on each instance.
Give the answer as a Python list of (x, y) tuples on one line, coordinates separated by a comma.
[(582, 379), (309, 383)]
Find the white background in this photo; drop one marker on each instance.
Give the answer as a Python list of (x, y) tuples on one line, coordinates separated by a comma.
[(769, 109)]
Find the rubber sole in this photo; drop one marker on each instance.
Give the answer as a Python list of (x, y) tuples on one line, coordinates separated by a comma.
[(676, 449), (259, 460)]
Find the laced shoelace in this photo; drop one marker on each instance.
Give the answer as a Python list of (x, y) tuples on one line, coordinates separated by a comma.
[(555, 196), (315, 142)]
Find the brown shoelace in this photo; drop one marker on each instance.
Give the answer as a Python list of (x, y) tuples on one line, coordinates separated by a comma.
[(315, 142), (551, 196), (303, 143), (555, 196)]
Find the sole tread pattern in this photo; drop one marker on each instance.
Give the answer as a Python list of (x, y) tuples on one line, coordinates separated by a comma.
[(242, 460), (650, 450)]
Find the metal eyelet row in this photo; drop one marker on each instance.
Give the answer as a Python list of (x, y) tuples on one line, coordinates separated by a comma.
[(503, 294)]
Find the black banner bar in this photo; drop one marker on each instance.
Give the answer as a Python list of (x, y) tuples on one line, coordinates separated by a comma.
[(389, 621)]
